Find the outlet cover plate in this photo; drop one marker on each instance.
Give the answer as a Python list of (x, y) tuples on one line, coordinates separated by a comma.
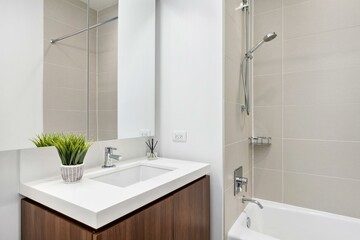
[(179, 136)]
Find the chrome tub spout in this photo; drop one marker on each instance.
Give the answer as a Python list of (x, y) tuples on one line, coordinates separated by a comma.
[(244, 200)]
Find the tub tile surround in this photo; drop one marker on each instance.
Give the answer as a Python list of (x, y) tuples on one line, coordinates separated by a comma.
[(310, 106), (342, 195), (268, 184), (237, 126)]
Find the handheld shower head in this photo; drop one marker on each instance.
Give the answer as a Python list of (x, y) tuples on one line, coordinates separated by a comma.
[(270, 36), (267, 38)]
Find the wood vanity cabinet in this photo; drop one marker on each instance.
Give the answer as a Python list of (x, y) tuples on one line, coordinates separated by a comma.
[(181, 215)]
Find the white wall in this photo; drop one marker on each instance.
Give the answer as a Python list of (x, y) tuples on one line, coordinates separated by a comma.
[(189, 88), (9, 197), (21, 61), (21, 65)]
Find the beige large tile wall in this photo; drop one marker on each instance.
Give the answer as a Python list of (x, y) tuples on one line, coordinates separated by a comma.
[(65, 98), (107, 74), (307, 97), (237, 124)]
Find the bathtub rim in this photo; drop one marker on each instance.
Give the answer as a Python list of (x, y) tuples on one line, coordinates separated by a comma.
[(235, 230), (310, 211)]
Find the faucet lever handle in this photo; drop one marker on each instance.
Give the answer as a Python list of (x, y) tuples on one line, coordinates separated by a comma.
[(109, 149), (242, 181)]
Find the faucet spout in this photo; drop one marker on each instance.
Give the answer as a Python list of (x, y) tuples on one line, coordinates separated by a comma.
[(109, 156), (115, 157), (245, 199)]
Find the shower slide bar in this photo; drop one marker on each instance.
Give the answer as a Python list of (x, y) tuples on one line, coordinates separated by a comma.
[(83, 30)]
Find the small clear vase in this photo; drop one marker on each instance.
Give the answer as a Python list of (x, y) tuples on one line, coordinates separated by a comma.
[(152, 155)]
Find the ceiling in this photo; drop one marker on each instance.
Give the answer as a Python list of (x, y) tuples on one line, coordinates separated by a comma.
[(99, 5)]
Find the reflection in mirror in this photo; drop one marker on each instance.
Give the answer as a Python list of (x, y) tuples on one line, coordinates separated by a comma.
[(103, 96), (80, 72), (100, 83)]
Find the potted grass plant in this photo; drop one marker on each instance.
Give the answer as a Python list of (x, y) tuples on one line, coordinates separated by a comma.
[(71, 148)]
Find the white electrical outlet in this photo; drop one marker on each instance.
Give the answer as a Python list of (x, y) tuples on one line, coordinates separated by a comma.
[(145, 132), (179, 136)]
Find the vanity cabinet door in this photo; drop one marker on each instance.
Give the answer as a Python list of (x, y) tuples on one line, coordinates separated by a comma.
[(40, 223), (151, 223), (158, 220), (127, 229), (192, 211)]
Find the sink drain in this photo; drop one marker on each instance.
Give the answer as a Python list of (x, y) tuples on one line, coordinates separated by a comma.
[(248, 222)]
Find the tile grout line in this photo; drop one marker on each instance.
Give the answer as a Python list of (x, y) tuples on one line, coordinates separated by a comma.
[(236, 142), (281, 7), (308, 105), (346, 28), (320, 140), (269, 169), (346, 68), (308, 174), (324, 176)]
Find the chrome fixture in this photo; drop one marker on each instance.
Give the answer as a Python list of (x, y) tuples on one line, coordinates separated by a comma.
[(240, 182), (83, 30), (260, 140), (248, 222), (245, 8), (109, 157), (245, 199), (243, 5), (245, 73), (267, 38), (245, 68)]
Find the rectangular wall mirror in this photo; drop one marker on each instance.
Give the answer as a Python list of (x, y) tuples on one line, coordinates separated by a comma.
[(98, 82)]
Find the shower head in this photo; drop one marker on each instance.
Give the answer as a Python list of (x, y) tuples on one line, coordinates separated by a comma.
[(267, 38), (270, 36)]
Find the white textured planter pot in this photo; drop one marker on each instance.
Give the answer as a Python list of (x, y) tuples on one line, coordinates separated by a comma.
[(72, 173)]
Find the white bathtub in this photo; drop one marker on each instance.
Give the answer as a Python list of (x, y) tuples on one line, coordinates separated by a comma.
[(286, 222)]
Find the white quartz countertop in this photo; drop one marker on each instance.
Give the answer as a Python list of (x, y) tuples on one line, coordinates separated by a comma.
[(96, 204)]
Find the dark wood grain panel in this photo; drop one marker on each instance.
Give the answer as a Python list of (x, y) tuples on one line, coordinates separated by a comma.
[(130, 229), (154, 222), (158, 220), (40, 223), (192, 211)]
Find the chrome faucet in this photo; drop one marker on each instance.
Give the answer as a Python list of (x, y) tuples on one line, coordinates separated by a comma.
[(245, 199), (240, 182), (109, 157)]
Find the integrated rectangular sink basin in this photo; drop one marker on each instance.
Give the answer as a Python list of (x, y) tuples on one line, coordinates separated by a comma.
[(132, 175)]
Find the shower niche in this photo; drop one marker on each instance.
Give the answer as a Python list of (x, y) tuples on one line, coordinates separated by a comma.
[(99, 68)]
